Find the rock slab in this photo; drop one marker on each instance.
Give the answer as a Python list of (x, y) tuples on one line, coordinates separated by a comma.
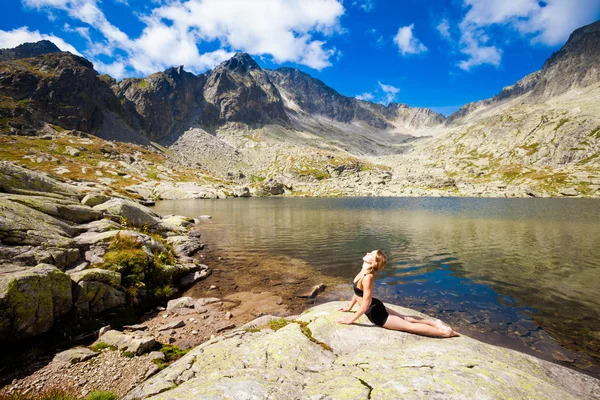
[(359, 361)]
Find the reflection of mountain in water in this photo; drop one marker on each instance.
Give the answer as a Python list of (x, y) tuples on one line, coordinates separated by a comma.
[(543, 253)]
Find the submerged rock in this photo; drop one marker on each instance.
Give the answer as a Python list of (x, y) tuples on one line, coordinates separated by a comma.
[(358, 362)]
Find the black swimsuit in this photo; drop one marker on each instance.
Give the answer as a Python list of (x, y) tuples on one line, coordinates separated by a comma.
[(376, 312)]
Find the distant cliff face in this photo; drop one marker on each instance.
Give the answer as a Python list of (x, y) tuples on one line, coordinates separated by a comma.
[(162, 102), (238, 90), (316, 98), (27, 50), (576, 64), (58, 88)]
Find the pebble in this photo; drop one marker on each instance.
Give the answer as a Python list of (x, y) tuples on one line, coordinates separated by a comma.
[(212, 287), (194, 332), (228, 315), (192, 319)]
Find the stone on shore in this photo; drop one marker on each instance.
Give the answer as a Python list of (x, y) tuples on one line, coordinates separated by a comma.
[(185, 246), (74, 355), (137, 343), (132, 213), (31, 299), (358, 361)]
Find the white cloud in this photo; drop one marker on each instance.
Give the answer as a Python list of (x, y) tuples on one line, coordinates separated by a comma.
[(407, 43), (366, 5), (547, 23), (282, 29), (390, 93), (444, 29), (9, 39), (365, 96)]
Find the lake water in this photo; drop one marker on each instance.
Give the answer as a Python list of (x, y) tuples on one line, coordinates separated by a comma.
[(527, 270)]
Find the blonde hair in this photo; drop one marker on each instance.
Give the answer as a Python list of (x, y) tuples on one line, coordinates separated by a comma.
[(380, 260)]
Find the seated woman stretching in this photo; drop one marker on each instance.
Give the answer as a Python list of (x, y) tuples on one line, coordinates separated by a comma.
[(381, 315)]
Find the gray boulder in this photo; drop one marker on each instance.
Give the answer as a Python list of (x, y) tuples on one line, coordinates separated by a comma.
[(74, 355), (31, 299), (93, 297), (185, 246), (68, 210), (135, 342), (14, 179), (133, 214), (94, 199), (21, 225), (96, 274)]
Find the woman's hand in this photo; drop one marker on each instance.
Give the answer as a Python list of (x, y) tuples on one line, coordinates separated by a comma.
[(345, 321), (344, 309)]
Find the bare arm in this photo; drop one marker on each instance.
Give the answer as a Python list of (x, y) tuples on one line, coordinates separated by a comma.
[(349, 307), (366, 300)]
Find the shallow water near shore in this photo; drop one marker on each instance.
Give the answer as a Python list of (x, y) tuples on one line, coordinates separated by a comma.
[(524, 273)]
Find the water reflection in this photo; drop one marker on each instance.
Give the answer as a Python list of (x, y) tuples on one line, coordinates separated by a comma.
[(510, 258)]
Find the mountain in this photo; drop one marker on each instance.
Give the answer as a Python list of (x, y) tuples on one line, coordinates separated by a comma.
[(27, 50), (61, 89), (574, 66), (239, 120)]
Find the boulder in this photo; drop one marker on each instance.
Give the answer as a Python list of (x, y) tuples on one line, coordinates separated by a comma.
[(185, 246), (94, 199), (74, 355), (358, 362), (102, 225), (136, 342), (193, 277), (182, 302), (96, 274), (150, 244), (21, 225), (68, 210), (31, 299), (92, 297), (132, 213), (171, 325), (176, 222), (14, 179)]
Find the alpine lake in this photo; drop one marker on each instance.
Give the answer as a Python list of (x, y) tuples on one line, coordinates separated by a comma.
[(520, 273)]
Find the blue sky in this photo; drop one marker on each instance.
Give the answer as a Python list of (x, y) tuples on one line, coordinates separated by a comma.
[(439, 54)]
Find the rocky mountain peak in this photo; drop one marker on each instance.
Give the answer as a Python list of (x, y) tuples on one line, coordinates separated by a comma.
[(27, 50), (241, 63)]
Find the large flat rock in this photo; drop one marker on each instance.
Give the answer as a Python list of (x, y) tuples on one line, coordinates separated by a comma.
[(363, 361)]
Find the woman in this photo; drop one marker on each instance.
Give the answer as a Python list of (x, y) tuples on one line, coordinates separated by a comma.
[(381, 315)]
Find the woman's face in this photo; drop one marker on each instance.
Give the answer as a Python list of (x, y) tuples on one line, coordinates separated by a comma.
[(370, 258)]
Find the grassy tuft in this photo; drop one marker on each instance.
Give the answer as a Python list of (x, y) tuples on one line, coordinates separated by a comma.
[(101, 395), (139, 269), (561, 123), (277, 324), (172, 353), (98, 347)]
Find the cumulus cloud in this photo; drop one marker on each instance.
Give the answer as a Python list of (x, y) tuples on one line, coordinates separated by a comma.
[(284, 30), (546, 23), (407, 43), (390, 93), (365, 96), (15, 37), (444, 29)]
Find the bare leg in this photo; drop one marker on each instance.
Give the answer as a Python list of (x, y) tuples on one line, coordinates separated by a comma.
[(397, 323), (436, 323), (418, 320)]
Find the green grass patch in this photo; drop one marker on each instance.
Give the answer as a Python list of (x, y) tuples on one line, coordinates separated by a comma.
[(172, 353), (138, 269), (588, 159), (595, 133), (142, 83), (531, 148), (277, 324), (101, 395), (561, 123), (129, 354), (98, 347), (58, 129)]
